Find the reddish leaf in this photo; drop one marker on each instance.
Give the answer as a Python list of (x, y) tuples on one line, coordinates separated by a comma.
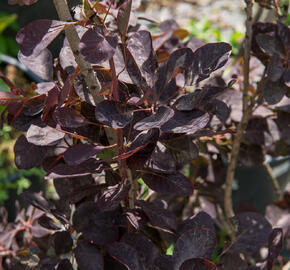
[(123, 17), (97, 47), (37, 35), (7, 97), (68, 117)]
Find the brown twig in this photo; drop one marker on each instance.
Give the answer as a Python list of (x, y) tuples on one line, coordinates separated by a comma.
[(87, 71), (273, 179), (247, 110)]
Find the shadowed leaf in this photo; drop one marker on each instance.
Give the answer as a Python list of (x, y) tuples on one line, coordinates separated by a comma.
[(36, 200), (198, 264), (123, 17), (173, 183), (62, 242), (88, 256), (275, 245), (158, 216), (125, 254), (22, 149)]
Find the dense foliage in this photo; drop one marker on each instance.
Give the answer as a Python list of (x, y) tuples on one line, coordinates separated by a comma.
[(123, 200)]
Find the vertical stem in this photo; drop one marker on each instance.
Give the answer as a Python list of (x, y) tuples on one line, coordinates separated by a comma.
[(86, 69), (273, 180), (247, 110)]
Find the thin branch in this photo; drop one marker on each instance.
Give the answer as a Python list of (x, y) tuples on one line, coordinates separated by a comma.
[(273, 179), (247, 110), (86, 69)]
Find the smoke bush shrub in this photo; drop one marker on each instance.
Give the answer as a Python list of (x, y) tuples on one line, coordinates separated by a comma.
[(123, 199)]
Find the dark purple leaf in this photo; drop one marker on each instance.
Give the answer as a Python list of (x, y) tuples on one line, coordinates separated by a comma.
[(88, 256), (206, 60), (62, 170), (134, 71), (68, 117), (101, 228), (275, 245), (22, 2), (146, 250), (256, 127), (251, 155), (233, 261), (286, 77), (27, 155), (173, 183), (164, 262), (123, 17), (40, 64), (82, 214), (37, 35), (284, 34), (108, 114), (62, 242), (182, 149), (156, 120), (43, 136), (140, 46), (252, 234), (96, 46), (64, 265), (202, 219), (274, 91), (36, 200), (198, 264), (48, 223), (275, 68), (144, 138), (81, 152), (196, 243), (111, 197), (82, 90), (125, 254), (186, 122), (161, 160), (220, 109), (270, 45), (158, 216)]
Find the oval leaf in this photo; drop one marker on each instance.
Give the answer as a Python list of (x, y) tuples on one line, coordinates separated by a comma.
[(108, 114), (97, 47)]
